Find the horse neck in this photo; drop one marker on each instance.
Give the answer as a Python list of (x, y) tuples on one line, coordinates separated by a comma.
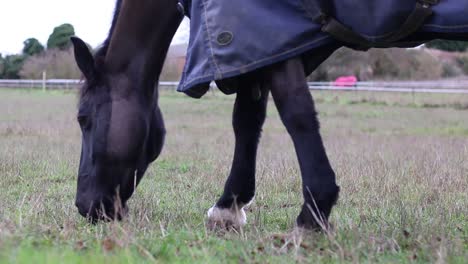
[(141, 38)]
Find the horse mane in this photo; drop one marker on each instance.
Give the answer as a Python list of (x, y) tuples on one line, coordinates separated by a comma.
[(102, 51)]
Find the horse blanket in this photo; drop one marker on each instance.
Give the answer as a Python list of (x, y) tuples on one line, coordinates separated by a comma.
[(230, 38)]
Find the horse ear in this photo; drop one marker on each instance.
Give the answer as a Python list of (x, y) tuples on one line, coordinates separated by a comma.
[(84, 58)]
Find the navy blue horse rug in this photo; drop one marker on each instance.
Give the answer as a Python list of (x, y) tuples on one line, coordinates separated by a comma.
[(229, 38)]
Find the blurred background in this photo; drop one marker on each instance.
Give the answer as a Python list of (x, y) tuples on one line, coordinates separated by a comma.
[(33, 43), (439, 59)]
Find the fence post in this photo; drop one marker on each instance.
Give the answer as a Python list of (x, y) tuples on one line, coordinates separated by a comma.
[(44, 75)]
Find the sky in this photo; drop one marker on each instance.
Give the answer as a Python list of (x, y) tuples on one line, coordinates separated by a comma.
[(23, 19)]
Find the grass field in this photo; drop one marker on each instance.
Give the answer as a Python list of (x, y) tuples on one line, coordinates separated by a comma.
[(401, 162)]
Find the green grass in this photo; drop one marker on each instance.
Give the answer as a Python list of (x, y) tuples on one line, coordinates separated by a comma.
[(402, 165)]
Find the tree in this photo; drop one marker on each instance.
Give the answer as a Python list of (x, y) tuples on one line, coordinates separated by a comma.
[(32, 46), (60, 37), (59, 64), (12, 65), (448, 45)]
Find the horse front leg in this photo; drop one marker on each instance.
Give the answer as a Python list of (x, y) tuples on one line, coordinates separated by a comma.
[(287, 82), (248, 117)]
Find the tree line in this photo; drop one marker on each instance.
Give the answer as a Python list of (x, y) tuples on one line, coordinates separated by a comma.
[(35, 57), (56, 58)]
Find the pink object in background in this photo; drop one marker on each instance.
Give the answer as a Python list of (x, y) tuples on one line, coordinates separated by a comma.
[(345, 81)]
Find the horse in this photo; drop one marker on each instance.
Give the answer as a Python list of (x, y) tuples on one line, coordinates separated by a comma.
[(123, 128)]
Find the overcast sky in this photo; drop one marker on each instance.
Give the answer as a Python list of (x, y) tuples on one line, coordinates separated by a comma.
[(23, 19)]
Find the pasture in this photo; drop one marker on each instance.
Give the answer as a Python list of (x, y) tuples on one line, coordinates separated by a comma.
[(401, 162)]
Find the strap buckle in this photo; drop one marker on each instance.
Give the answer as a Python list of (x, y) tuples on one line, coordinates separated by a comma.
[(181, 8)]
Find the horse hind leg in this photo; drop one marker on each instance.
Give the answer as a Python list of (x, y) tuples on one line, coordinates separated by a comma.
[(247, 121), (287, 82)]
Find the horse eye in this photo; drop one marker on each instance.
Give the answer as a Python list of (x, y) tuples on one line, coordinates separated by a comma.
[(83, 121)]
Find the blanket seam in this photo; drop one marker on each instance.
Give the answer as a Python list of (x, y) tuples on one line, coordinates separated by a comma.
[(209, 38)]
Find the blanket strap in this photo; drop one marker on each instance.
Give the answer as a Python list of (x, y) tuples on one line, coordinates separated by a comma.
[(415, 20)]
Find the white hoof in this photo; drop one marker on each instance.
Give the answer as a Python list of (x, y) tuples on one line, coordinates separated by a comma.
[(225, 218)]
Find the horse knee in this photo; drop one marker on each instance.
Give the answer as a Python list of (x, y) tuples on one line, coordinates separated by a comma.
[(299, 122), (248, 116), (248, 124)]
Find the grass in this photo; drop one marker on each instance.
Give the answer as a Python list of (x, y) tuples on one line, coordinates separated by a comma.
[(402, 167)]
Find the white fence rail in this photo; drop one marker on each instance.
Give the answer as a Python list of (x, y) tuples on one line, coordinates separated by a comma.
[(58, 84), (439, 86)]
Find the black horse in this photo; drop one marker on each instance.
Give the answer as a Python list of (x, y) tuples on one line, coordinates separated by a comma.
[(121, 123), (123, 129)]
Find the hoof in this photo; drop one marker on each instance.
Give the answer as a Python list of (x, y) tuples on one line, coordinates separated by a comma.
[(311, 221), (314, 214), (226, 218), (313, 225)]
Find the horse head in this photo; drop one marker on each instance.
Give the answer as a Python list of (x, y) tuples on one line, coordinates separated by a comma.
[(121, 124)]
